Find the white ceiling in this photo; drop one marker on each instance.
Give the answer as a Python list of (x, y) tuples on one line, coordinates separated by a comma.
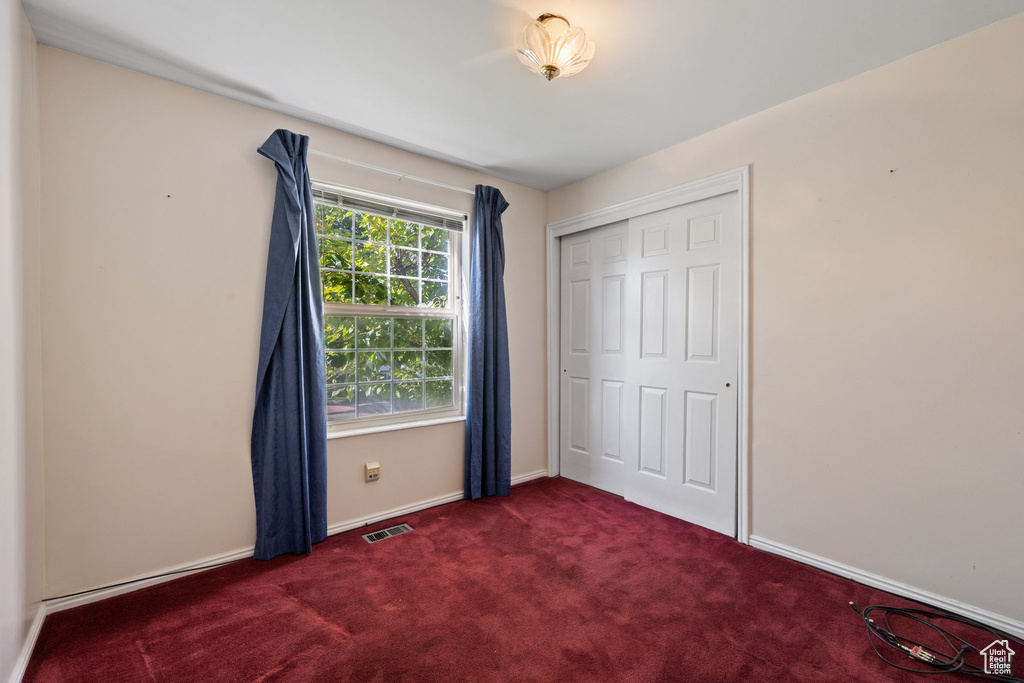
[(439, 77)]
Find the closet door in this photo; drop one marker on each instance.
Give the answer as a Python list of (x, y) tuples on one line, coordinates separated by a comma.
[(649, 359), (683, 317), (593, 355)]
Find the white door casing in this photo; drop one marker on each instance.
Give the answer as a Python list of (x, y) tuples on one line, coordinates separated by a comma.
[(654, 390)]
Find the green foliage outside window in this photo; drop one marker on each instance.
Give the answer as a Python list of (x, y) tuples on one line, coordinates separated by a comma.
[(382, 365), (369, 259)]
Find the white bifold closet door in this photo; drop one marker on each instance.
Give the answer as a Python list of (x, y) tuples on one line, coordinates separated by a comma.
[(650, 346)]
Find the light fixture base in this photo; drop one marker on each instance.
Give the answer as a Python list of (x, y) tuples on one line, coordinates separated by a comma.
[(550, 71)]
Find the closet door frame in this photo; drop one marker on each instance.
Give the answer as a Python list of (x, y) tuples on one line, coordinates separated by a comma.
[(736, 180)]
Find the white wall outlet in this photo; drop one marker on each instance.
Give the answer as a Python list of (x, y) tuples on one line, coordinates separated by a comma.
[(372, 471)]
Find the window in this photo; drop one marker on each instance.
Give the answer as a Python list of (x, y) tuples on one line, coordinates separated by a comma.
[(392, 283)]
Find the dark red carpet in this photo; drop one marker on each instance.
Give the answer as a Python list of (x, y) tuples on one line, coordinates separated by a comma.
[(558, 582)]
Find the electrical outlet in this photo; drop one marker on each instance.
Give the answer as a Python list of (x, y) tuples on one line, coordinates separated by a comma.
[(372, 471)]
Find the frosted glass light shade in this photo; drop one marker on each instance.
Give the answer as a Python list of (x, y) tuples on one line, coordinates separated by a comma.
[(551, 48)]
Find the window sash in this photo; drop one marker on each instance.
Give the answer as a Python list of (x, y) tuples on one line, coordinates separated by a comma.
[(368, 311), (454, 273), (399, 417)]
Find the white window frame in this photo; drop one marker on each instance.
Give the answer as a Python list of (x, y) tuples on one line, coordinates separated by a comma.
[(458, 254)]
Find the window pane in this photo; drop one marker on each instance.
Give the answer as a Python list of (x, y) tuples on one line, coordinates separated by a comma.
[(435, 266), (408, 333), (435, 294), (374, 333), (372, 228), (377, 365), (336, 221), (435, 239), (439, 363), (371, 289), (371, 258), (374, 399), (405, 291), (337, 286), (405, 262), (408, 396), (439, 393), (374, 366), (341, 367), (439, 333), (339, 332), (405, 234), (408, 365), (341, 402), (336, 254), (401, 365)]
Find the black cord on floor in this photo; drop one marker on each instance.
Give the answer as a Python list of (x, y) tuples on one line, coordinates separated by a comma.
[(951, 661)]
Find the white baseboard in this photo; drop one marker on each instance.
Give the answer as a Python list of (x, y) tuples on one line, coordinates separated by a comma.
[(30, 643), (341, 527), (146, 580), (422, 505), (1011, 626), (187, 568), (530, 476)]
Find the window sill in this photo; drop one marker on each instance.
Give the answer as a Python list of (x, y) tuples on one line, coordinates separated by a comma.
[(379, 428)]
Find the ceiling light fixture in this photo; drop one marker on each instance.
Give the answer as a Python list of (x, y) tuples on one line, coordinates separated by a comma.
[(551, 48)]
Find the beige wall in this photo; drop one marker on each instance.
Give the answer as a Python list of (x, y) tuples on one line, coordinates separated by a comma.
[(155, 241), (33, 369), (12, 453), (21, 494), (887, 376)]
